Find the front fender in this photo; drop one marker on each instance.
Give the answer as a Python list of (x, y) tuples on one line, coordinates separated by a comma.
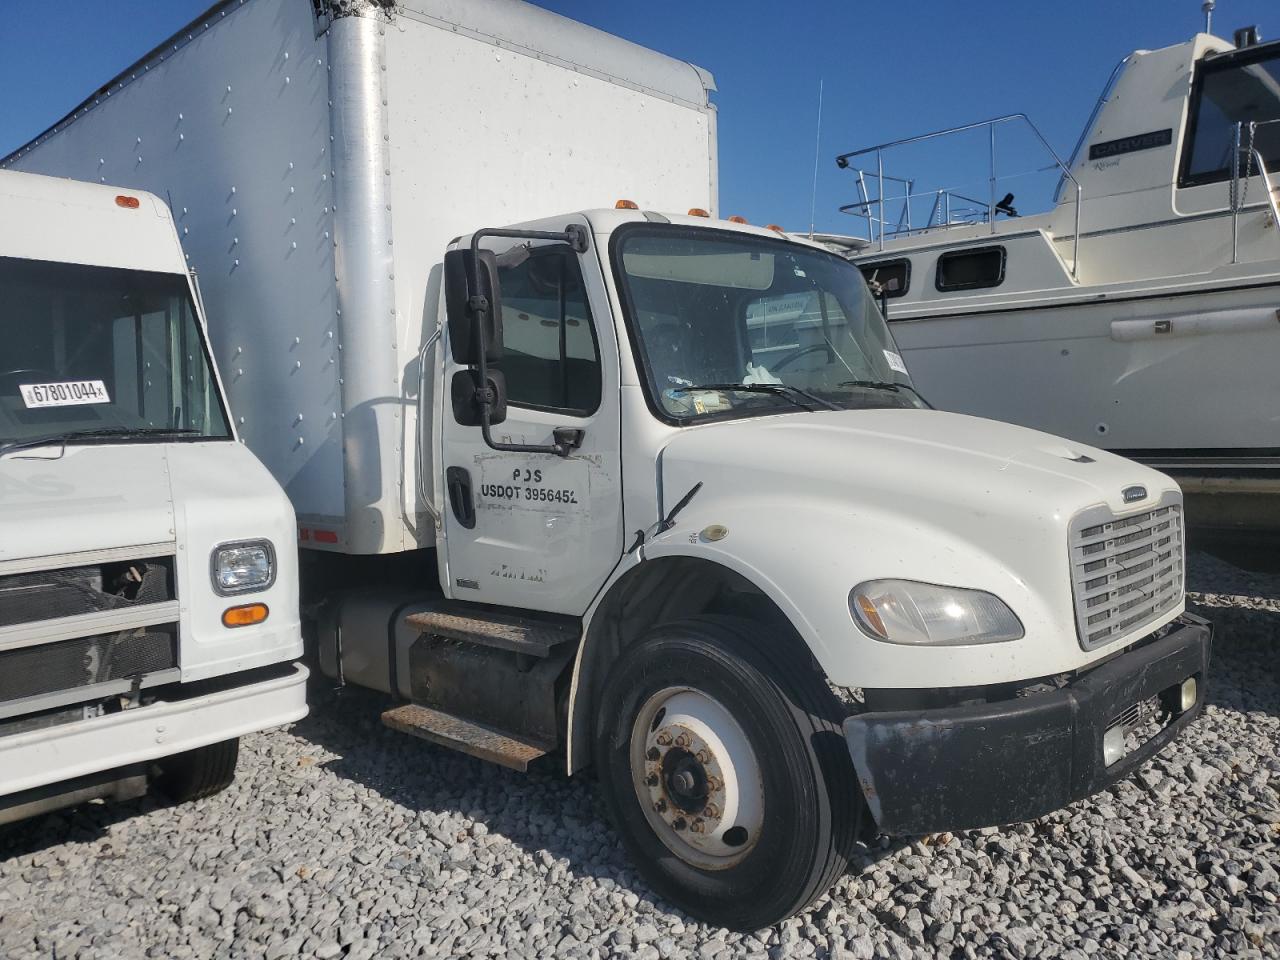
[(806, 555)]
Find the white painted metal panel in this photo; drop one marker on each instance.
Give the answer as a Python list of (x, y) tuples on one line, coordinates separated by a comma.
[(47, 218)]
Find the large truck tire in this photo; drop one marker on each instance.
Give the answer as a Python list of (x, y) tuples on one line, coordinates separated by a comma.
[(720, 756), (198, 773)]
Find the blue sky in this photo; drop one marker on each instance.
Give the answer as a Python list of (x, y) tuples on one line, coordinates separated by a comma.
[(890, 69)]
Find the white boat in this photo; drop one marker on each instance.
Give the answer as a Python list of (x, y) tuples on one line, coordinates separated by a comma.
[(1141, 311)]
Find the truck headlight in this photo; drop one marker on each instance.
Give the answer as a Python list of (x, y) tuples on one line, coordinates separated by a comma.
[(243, 567), (924, 614)]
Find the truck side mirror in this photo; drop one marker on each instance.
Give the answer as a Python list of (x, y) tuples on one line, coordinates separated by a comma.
[(464, 393), (464, 305)]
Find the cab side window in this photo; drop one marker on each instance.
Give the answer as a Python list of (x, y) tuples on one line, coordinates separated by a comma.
[(549, 359)]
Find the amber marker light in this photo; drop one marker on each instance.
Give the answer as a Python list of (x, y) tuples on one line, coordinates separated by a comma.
[(626, 205), (129, 203), (698, 212), (246, 616), (775, 228), (737, 219)]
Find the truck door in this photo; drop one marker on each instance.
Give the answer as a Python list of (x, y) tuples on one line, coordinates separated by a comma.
[(537, 530)]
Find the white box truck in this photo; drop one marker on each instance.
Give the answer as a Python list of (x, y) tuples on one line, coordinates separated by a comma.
[(148, 574), (647, 491)]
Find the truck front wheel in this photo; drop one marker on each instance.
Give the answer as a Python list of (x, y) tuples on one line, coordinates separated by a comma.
[(198, 773), (721, 759)]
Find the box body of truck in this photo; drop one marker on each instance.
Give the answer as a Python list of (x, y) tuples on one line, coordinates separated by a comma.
[(124, 496), (318, 165)]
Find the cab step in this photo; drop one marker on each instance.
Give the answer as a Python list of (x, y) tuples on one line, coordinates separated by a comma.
[(478, 740), (534, 637)]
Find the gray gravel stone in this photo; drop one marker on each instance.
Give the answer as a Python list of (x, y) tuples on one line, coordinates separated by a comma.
[(343, 839)]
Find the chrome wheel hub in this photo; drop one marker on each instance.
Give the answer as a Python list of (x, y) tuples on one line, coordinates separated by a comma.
[(697, 778)]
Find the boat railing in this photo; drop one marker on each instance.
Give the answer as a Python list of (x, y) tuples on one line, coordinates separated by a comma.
[(948, 208), (1254, 166)]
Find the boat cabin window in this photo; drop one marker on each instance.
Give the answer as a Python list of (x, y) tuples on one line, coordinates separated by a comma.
[(886, 272), (1229, 89), (971, 269)]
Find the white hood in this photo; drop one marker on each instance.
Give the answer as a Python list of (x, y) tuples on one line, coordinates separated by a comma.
[(90, 498), (191, 498), (817, 503)]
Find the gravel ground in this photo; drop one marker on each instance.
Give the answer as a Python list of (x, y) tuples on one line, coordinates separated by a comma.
[(343, 839)]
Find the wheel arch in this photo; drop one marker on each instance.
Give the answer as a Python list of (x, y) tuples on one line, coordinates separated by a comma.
[(657, 590)]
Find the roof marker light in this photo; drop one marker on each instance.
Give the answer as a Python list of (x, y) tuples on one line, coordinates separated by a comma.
[(129, 203), (626, 205), (698, 212), (774, 227), (737, 219)]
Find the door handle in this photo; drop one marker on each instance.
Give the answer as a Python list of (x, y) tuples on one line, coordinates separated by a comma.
[(458, 480)]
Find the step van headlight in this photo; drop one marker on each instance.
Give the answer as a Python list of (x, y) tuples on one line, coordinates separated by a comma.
[(925, 614), (243, 567)]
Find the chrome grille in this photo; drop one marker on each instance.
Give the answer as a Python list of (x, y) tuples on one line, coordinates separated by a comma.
[(1125, 571)]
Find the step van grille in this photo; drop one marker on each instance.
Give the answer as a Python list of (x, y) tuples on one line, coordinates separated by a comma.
[(86, 661), (1126, 571), (90, 588)]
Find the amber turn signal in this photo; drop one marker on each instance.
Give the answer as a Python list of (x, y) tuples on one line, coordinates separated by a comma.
[(129, 203), (246, 616)]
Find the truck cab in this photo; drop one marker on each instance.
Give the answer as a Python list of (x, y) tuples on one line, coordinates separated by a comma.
[(148, 580), (698, 530)]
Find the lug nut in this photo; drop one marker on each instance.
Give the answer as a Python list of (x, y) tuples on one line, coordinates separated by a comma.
[(660, 805), (680, 823), (704, 757), (653, 754), (683, 740), (697, 826), (651, 779), (664, 739), (711, 810)]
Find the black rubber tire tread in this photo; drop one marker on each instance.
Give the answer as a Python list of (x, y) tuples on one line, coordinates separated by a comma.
[(777, 670), (198, 773)]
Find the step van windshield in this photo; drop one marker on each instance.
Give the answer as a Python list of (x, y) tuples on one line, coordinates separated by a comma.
[(102, 354)]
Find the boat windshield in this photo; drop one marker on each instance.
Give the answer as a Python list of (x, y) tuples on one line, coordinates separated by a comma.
[(730, 325), (101, 355), (1242, 88)]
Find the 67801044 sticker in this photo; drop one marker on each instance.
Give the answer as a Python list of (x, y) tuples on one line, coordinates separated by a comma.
[(69, 393)]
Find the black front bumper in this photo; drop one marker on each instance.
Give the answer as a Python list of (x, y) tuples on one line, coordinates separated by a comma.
[(957, 768)]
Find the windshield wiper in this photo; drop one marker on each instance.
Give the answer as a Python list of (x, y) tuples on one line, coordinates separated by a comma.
[(784, 390), (62, 439), (872, 384), (886, 385)]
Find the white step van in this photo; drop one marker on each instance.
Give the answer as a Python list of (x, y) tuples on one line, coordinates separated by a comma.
[(647, 492), (148, 573)]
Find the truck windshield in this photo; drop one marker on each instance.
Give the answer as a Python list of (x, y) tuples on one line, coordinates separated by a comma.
[(731, 325), (102, 355)]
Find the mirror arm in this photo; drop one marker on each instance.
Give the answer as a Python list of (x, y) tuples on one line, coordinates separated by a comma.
[(578, 238)]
